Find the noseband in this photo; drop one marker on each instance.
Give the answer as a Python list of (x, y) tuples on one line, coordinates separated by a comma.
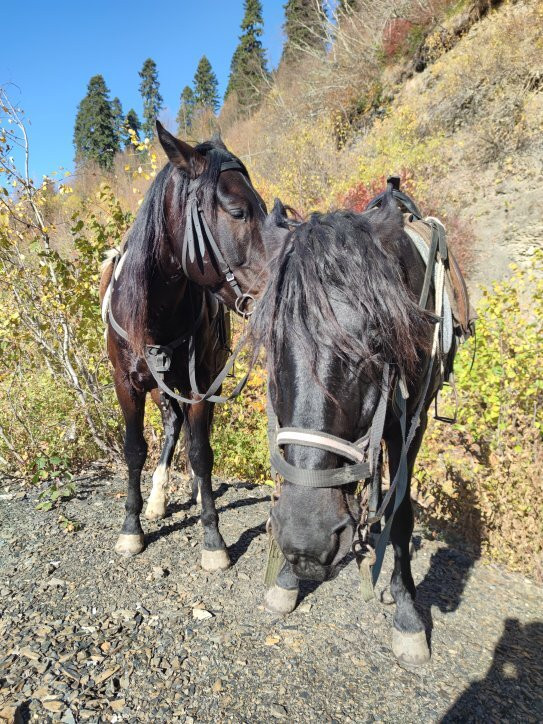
[(197, 232)]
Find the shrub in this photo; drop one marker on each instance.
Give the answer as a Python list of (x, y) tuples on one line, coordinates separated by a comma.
[(481, 478)]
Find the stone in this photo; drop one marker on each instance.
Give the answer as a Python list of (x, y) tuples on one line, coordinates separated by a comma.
[(55, 705), (200, 614), (278, 711)]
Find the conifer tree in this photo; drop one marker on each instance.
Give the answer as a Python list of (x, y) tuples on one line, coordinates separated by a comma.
[(152, 100), (186, 111), (131, 122), (206, 86), (118, 119), (94, 133), (248, 67), (303, 27)]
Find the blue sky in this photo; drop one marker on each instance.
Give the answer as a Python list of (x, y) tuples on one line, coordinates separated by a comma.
[(51, 49)]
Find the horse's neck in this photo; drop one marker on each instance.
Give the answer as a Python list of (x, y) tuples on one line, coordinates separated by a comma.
[(170, 298)]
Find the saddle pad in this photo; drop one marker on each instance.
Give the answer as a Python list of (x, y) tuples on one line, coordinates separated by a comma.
[(462, 311)]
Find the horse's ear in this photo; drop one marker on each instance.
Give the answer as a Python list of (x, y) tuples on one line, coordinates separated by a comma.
[(278, 214), (217, 140), (181, 154)]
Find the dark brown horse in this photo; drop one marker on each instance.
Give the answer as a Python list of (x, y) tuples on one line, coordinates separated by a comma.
[(196, 239)]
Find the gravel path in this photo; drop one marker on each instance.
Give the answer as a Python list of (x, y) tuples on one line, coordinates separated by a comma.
[(85, 636)]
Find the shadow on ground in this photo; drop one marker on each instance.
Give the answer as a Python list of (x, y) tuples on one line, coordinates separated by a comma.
[(512, 689), (451, 566)]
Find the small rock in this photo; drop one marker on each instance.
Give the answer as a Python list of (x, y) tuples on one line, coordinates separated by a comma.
[(54, 583), (278, 711), (55, 705), (68, 717), (160, 572), (200, 614), (105, 675), (217, 686), (305, 607), (117, 704)]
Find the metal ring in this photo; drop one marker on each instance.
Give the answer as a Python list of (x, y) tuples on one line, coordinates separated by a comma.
[(245, 299)]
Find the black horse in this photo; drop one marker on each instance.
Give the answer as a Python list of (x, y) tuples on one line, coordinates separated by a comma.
[(339, 314), (197, 236)]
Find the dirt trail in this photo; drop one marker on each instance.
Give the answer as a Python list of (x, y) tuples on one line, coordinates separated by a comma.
[(88, 637)]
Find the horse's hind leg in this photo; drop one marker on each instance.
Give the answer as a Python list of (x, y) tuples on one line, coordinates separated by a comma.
[(172, 419), (130, 541), (408, 637), (214, 553)]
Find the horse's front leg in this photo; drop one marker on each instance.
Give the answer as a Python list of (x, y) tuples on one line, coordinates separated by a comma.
[(131, 541), (408, 636), (214, 554), (282, 596)]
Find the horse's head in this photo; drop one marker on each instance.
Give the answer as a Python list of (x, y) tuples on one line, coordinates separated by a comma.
[(314, 527), (228, 210)]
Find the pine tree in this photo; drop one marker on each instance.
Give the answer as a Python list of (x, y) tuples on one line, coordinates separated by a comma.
[(118, 119), (94, 133), (152, 100), (303, 27), (131, 122), (186, 112), (248, 67), (205, 86), (346, 6)]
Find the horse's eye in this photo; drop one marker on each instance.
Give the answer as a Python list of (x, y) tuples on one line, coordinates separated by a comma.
[(237, 213)]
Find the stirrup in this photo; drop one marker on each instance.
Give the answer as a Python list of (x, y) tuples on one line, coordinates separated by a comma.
[(444, 418)]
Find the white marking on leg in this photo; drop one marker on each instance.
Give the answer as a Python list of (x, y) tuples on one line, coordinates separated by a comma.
[(158, 499)]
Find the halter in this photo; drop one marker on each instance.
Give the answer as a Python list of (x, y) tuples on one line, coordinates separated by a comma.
[(197, 231), (159, 356)]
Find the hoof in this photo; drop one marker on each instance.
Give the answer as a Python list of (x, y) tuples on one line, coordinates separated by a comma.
[(156, 509), (410, 648), (129, 545), (215, 560), (387, 599), (281, 600)]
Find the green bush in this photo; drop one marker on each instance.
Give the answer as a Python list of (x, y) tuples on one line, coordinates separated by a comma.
[(481, 478)]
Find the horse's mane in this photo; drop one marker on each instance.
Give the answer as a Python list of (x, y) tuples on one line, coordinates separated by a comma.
[(146, 235), (339, 256)]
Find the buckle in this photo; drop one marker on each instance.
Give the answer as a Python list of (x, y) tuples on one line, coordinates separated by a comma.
[(162, 357)]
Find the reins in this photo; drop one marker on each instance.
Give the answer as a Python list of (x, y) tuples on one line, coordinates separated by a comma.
[(159, 356)]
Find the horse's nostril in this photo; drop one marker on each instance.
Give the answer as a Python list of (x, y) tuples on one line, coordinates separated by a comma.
[(340, 527)]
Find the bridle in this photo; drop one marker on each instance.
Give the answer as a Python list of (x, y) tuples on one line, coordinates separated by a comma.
[(159, 356), (197, 232)]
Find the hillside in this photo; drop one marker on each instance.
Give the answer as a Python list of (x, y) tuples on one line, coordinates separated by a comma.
[(454, 104)]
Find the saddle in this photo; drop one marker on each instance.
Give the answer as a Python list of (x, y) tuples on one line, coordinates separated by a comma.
[(463, 313), (432, 232)]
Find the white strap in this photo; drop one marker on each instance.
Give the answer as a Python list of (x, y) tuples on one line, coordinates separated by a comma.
[(344, 448)]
